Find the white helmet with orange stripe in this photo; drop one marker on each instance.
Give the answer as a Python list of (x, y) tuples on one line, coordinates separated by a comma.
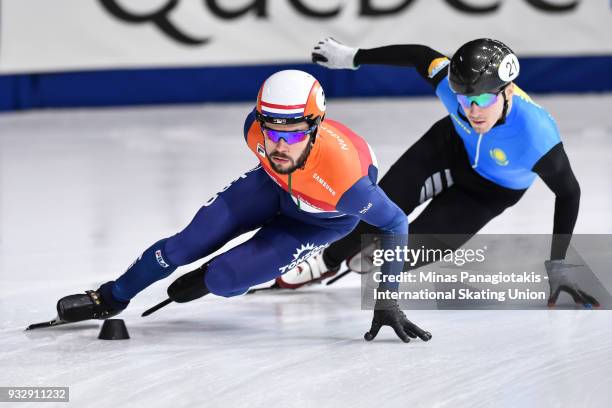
[(291, 96)]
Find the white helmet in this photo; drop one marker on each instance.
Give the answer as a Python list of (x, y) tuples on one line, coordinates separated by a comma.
[(291, 96)]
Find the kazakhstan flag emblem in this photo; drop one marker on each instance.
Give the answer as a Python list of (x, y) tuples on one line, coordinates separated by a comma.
[(499, 156)]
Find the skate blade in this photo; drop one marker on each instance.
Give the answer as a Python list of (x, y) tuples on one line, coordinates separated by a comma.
[(156, 307), (51, 323)]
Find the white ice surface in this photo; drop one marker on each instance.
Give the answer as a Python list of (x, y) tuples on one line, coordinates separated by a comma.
[(83, 192)]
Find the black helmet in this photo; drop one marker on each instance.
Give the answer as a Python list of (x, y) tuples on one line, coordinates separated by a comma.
[(482, 66)]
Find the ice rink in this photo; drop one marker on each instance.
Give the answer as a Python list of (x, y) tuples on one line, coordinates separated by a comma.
[(83, 192)]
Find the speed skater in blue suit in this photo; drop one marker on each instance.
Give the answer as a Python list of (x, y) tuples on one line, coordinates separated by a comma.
[(471, 165)]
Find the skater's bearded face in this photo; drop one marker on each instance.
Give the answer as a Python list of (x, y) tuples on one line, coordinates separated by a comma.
[(285, 158), (483, 119)]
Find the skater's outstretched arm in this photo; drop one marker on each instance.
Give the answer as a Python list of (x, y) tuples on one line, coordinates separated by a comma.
[(428, 62), (555, 170), (368, 201)]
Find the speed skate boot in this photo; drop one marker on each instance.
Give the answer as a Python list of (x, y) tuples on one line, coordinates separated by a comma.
[(312, 270), (363, 261), (190, 286), (315, 269), (93, 304)]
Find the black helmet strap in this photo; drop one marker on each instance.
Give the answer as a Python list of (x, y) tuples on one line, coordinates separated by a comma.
[(502, 118)]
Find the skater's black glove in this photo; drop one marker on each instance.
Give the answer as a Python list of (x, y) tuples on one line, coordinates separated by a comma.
[(562, 277), (388, 313)]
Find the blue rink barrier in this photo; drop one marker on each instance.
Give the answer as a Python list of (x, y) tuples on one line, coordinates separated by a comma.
[(240, 83)]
